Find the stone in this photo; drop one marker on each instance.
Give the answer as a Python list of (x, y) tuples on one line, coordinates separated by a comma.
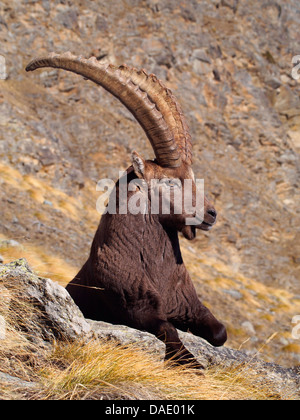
[(201, 67), (248, 328), (126, 335), (9, 242), (61, 317), (273, 82), (295, 137), (201, 55), (101, 23), (15, 381), (233, 293)]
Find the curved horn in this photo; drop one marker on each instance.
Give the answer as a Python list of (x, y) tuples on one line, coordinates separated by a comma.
[(152, 104)]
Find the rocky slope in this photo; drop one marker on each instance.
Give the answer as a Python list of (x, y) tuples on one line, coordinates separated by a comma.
[(54, 316), (229, 62)]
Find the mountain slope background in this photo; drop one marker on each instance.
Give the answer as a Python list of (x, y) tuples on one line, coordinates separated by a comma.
[(229, 63)]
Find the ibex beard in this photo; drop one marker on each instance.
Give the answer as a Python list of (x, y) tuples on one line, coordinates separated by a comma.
[(135, 274)]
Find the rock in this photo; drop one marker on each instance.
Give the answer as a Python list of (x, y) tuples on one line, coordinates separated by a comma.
[(9, 242), (188, 14), (126, 335), (101, 23), (232, 238), (232, 4), (273, 82), (248, 328), (61, 318), (68, 18), (201, 67), (46, 156), (16, 382), (201, 62), (2, 22), (234, 293), (201, 55), (48, 203), (295, 136)]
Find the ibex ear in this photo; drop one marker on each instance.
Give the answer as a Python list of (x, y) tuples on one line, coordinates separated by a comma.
[(138, 164)]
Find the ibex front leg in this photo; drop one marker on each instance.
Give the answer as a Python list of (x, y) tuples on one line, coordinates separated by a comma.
[(175, 350)]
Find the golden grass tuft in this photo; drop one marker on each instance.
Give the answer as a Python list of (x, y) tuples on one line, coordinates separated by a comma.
[(98, 369), (41, 261), (38, 190), (292, 347)]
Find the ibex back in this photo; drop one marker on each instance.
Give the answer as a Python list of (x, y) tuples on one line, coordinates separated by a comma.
[(135, 274)]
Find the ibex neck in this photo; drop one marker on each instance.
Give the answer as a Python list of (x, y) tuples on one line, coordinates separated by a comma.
[(137, 236)]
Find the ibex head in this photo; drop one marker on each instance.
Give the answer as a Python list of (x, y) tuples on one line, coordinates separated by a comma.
[(160, 115)]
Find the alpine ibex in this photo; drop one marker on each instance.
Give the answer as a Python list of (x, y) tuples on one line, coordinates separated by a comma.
[(135, 274)]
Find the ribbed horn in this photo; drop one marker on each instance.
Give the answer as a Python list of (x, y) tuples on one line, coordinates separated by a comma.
[(152, 104)]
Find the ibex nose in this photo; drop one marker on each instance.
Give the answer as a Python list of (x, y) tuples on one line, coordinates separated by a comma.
[(212, 212)]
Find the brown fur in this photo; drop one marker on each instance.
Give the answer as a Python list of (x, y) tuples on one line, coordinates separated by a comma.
[(136, 263)]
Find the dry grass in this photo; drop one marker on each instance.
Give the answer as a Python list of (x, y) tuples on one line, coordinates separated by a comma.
[(41, 261), (101, 369), (104, 368), (38, 190)]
